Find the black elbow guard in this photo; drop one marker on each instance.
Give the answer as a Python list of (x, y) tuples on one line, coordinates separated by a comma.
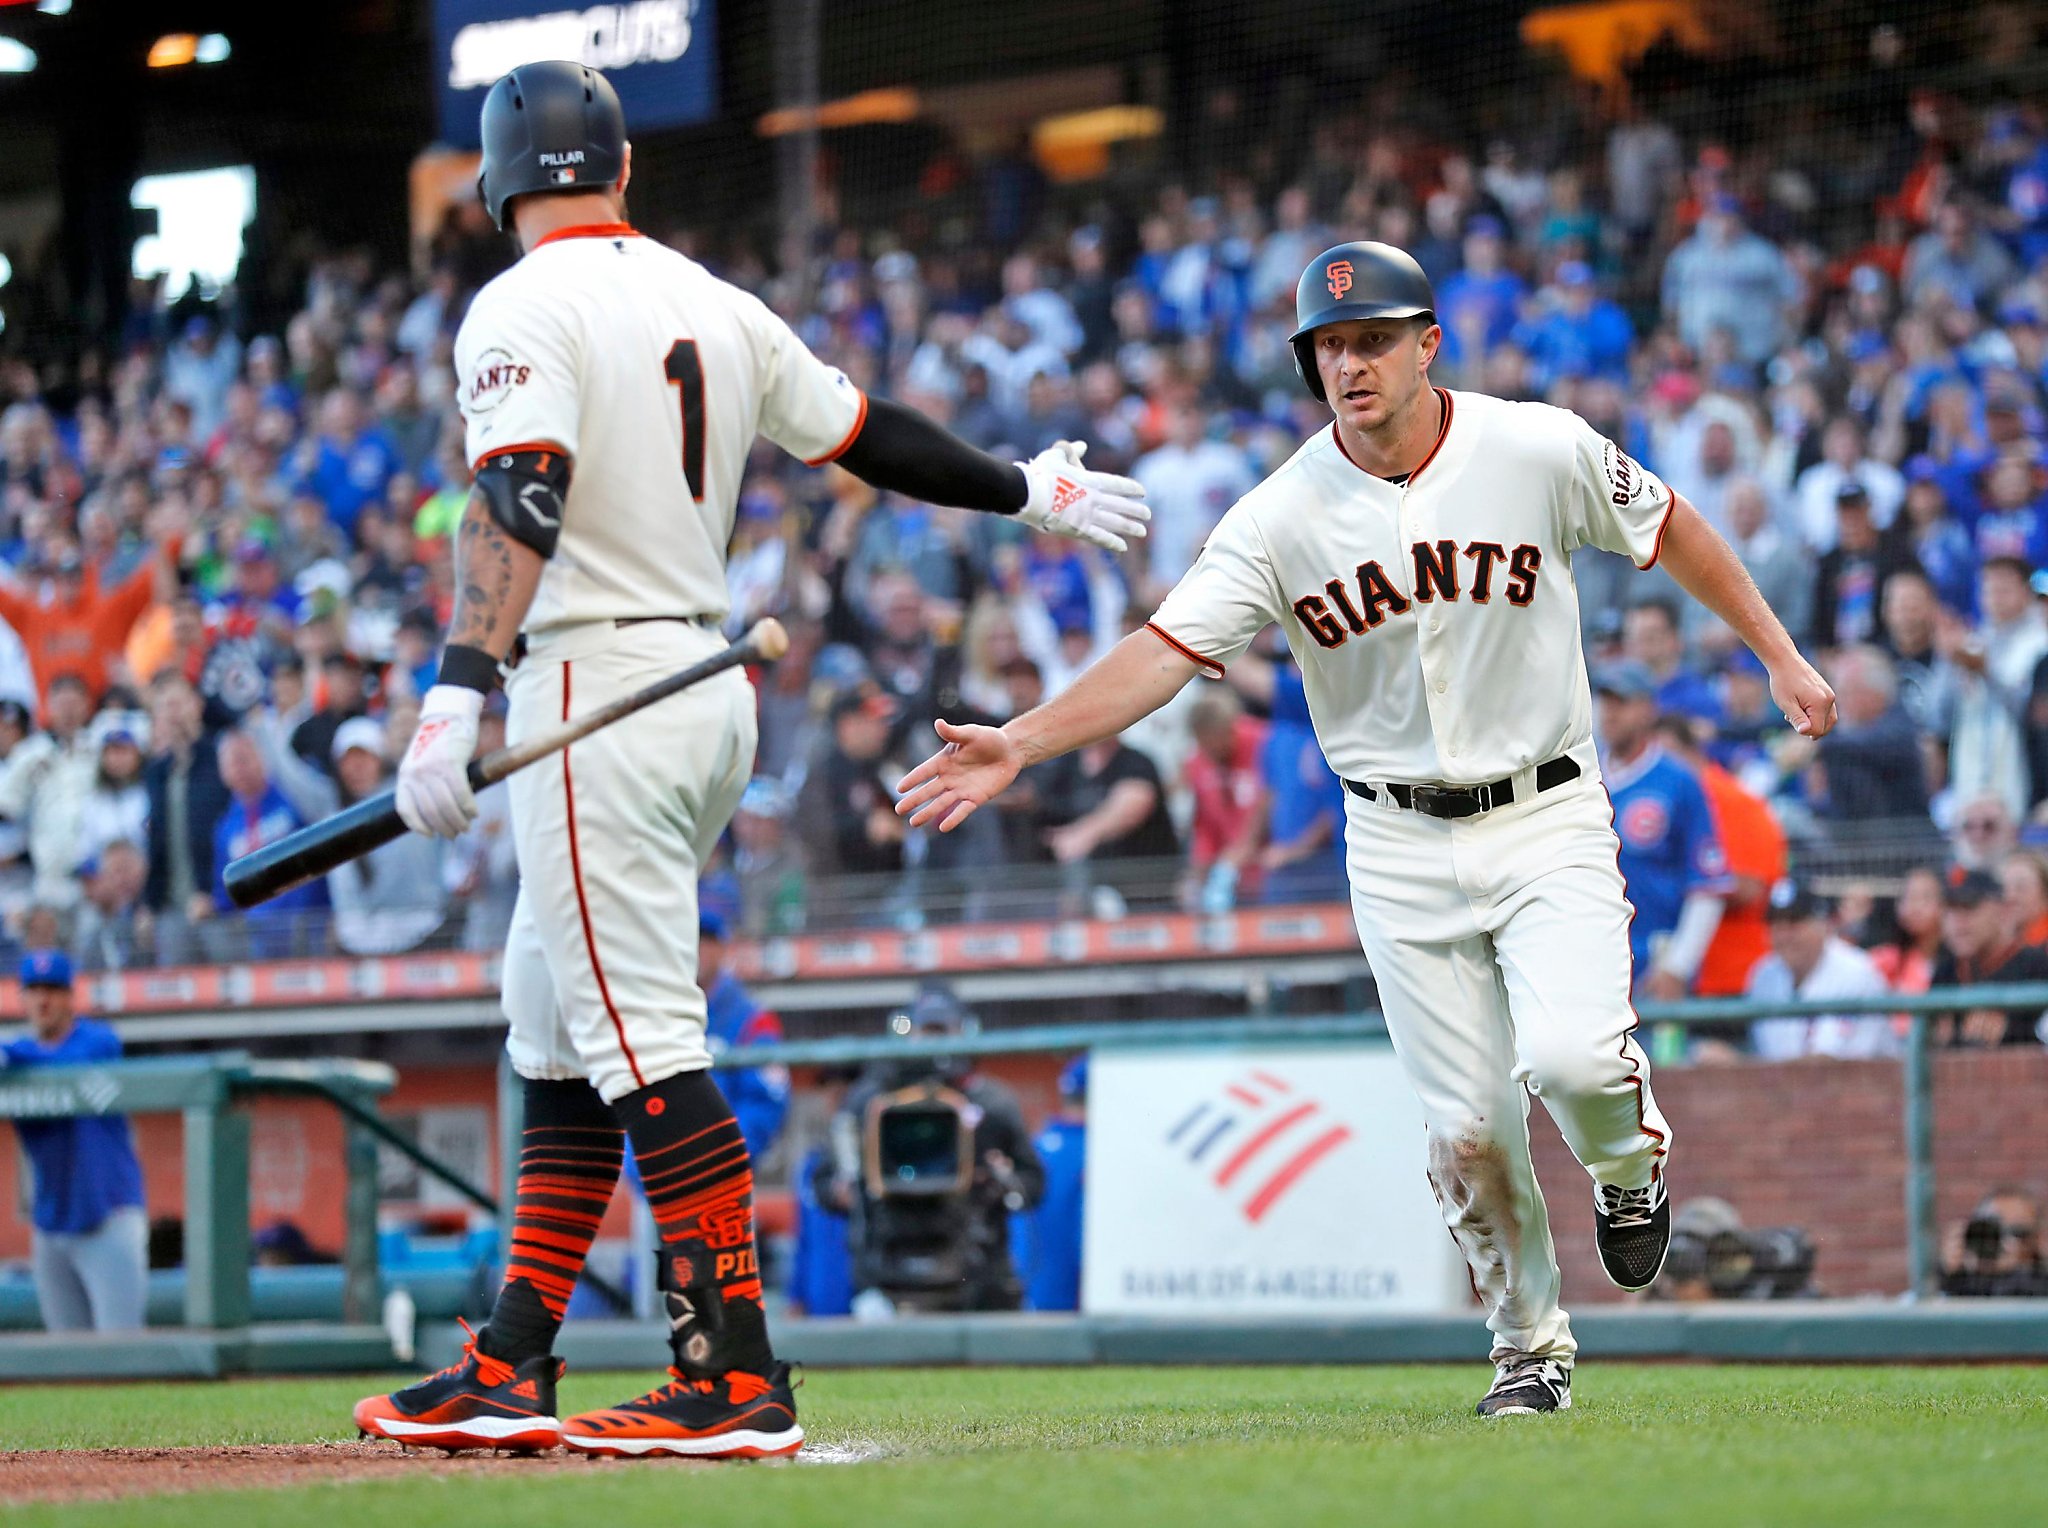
[(525, 488)]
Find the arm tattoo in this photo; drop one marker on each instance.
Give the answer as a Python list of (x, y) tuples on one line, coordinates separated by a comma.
[(494, 579)]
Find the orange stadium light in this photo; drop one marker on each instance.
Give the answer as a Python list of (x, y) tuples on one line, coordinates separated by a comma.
[(174, 50), (849, 111)]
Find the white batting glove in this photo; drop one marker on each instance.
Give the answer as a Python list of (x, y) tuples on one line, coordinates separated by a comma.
[(434, 796), (1067, 499)]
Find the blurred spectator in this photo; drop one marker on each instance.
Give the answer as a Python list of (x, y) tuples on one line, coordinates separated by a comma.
[(1907, 959), (1986, 833), (849, 808), (198, 370), (1478, 302), (768, 861), (1810, 962), (1926, 680), (759, 1095), (90, 1237), (1727, 280), (1957, 261), (45, 784), (1755, 848), (70, 626), (1189, 482), (113, 930), (1049, 1251), (187, 799), (1651, 640), (1997, 1251), (257, 814), (1106, 813), (117, 807), (1844, 460), (1781, 566), (1670, 857), (1928, 536), (344, 465), (1849, 582), (1981, 944), (389, 900), (2024, 875), (1301, 852), (346, 697), (1222, 777), (1578, 333), (1994, 681), (1871, 761)]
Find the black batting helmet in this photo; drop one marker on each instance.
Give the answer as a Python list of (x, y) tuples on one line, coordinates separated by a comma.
[(553, 126), (1357, 280)]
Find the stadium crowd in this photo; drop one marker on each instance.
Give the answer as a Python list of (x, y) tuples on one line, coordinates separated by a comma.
[(227, 562)]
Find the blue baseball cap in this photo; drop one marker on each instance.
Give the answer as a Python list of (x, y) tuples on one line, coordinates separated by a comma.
[(46, 968), (1627, 679), (710, 925), (1074, 1077)]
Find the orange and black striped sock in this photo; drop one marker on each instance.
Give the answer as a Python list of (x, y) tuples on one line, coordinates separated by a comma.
[(700, 1186), (569, 1162)]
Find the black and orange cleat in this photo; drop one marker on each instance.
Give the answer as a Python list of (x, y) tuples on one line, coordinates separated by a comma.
[(735, 1416), (481, 1402)]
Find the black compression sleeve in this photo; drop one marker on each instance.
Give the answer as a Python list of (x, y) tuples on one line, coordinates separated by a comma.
[(901, 450)]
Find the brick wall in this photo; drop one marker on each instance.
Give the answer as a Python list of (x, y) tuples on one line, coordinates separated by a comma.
[(1821, 1144)]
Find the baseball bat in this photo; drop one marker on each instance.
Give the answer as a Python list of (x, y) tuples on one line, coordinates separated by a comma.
[(374, 821)]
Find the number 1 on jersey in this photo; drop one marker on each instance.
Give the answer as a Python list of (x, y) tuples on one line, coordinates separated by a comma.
[(686, 373)]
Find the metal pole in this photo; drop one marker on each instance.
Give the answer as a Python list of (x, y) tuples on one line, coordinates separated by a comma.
[(1922, 1273), (362, 1289), (796, 85)]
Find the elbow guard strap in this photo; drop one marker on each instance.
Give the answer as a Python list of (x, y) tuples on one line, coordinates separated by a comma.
[(524, 488)]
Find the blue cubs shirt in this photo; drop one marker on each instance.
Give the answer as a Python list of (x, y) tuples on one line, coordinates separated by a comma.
[(1669, 846), (85, 1166)]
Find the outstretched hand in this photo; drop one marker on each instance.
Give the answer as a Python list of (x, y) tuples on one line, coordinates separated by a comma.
[(1805, 698), (976, 765)]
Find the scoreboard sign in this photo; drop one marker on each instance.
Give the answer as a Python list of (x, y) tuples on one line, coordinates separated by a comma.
[(660, 55)]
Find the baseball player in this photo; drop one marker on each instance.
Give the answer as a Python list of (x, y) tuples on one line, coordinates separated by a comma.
[(612, 389), (1418, 556)]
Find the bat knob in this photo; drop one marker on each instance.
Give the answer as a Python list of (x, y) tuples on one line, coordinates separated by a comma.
[(769, 639)]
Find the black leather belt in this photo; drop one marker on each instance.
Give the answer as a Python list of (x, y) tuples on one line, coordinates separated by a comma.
[(1464, 800), (688, 620)]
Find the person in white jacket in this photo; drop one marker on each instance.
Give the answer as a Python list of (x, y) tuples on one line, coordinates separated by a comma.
[(44, 786)]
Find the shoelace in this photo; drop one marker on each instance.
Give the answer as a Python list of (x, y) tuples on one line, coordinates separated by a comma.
[(741, 1387), (492, 1371), (1522, 1371), (1628, 1208)]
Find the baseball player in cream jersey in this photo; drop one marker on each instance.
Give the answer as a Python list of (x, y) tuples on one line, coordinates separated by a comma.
[(612, 390), (1418, 556)]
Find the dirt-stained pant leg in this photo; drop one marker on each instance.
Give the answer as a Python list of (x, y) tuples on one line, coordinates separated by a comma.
[(1547, 889), (611, 836), (1447, 1013)]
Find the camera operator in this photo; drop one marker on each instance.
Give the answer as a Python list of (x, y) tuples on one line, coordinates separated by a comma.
[(1997, 1251), (1714, 1256), (929, 1161)]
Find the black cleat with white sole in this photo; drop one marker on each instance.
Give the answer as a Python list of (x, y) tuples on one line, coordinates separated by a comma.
[(1524, 1386), (1633, 1232)]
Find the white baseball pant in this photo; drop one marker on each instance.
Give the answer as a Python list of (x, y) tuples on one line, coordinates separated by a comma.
[(600, 973), (1500, 946)]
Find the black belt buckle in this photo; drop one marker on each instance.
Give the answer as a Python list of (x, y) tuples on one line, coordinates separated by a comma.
[(1444, 801)]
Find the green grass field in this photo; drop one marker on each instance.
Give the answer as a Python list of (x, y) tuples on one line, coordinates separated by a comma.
[(1140, 1447)]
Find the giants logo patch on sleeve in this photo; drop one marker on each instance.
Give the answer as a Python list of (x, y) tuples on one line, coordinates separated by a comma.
[(1627, 480), (497, 373)]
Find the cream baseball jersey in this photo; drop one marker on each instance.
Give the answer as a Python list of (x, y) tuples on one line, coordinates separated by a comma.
[(1436, 622), (654, 377)]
